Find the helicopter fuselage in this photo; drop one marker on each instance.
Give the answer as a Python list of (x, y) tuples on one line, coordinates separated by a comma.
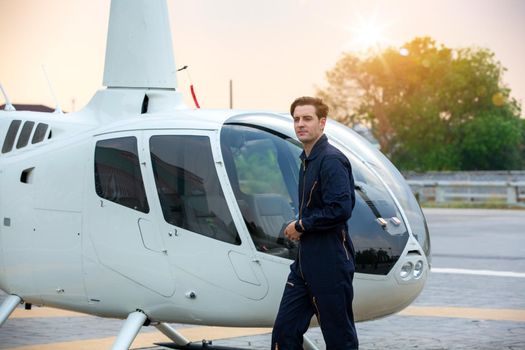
[(152, 211)]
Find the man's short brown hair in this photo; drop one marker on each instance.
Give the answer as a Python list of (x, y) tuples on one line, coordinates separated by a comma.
[(321, 109)]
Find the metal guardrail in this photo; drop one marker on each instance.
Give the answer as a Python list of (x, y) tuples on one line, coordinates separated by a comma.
[(511, 192)]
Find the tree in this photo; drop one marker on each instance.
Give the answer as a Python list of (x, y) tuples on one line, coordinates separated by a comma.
[(522, 146), (430, 107)]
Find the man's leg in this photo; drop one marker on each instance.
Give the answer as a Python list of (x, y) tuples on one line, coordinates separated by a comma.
[(293, 318), (336, 317)]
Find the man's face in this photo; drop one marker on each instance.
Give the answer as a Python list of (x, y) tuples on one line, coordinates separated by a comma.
[(308, 127)]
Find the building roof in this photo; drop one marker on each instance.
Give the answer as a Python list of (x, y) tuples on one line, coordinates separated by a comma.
[(28, 107)]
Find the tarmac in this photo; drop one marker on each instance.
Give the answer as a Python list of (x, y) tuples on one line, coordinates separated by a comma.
[(474, 299)]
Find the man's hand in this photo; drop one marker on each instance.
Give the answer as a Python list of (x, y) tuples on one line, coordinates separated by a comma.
[(291, 233)]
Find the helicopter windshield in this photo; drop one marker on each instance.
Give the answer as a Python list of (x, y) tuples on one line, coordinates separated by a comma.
[(392, 177), (263, 168)]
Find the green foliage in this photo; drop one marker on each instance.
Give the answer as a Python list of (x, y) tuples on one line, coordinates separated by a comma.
[(431, 107), (259, 172), (490, 141), (522, 143)]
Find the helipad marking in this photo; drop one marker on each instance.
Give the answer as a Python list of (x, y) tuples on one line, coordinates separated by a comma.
[(37, 312), (479, 272), (148, 339), (466, 312)]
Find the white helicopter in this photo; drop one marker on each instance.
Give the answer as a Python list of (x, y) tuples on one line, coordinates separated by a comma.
[(140, 208)]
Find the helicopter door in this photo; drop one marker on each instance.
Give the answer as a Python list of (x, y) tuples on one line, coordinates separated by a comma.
[(204, 245), (122, 222)]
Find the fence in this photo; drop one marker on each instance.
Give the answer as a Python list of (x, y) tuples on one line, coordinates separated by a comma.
[(511, 192)]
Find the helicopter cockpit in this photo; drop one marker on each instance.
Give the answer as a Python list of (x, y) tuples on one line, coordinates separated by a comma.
[(254, 145)]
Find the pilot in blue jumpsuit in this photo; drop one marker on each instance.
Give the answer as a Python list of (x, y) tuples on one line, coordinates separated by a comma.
[(320, 279)]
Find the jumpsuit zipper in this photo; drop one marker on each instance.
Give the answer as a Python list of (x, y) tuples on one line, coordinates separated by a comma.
[(311, 192), (300, 214), (302, 197), (300, 267), (317, 311), (344, 245)]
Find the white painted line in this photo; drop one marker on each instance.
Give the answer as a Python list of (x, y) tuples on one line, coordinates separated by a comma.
[(479, 272)]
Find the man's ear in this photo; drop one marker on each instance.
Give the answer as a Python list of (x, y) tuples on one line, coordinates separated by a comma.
[(323, 122)]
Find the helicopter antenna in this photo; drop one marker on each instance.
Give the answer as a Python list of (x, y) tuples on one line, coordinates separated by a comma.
[(57, 106), (191, 86), (8, 106)]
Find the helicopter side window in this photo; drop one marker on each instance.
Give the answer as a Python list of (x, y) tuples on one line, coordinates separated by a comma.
[(23, 139), (40, 133), (188, 186), (263, 171), (117, 173), (11, 136)]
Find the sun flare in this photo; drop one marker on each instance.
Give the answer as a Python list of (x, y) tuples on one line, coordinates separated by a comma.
[(368, 34)]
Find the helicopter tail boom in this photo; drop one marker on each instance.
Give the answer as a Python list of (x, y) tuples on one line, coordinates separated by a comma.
[(139, 51)]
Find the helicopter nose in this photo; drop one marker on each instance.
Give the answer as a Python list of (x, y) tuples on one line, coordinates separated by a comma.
[(382, 296), (413, 265)]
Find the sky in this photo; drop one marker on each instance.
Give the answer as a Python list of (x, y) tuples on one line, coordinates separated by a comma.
[(273, 50)]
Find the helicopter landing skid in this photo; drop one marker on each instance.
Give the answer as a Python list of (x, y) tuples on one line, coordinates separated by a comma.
[(204, 345), (207, 345)]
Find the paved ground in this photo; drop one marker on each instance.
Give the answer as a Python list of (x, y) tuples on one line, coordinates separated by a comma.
[(457, 310)]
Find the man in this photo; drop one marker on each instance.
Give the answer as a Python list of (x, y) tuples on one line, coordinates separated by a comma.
[(320, 279)]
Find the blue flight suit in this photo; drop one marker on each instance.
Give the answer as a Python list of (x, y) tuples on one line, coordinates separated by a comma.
[(320, 279)]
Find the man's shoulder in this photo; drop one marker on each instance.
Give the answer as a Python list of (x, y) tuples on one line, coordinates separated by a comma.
[(331, 152)]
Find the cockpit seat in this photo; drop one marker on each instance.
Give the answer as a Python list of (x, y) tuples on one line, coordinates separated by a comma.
[(201, 219), (271, 211), (198, 215)]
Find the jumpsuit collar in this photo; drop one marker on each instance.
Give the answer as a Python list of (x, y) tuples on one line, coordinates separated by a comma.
[(318, 146)]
